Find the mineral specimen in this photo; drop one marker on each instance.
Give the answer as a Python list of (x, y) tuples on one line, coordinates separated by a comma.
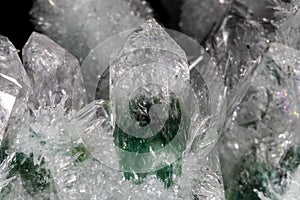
[(53, 72), (290, 28), (12, 78), (264, 128), (237, 47)]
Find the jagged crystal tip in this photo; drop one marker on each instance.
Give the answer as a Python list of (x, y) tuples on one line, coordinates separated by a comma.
[(53, 73)]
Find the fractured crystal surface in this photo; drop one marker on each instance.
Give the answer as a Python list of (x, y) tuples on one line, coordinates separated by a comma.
[(261, 138), (53, 72), (12, 78)]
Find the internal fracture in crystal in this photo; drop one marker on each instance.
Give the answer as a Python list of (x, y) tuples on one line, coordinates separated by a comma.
[(262, 136)]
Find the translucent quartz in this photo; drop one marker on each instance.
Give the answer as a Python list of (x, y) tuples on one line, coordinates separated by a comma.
[(53, 72), (290, 28), (63, 144), (55, 80), (81, 25), (12, 79), (150, 72), (200, 18), (238, 46), (259, 147)]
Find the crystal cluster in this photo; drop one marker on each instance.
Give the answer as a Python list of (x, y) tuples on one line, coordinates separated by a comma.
[(54, 152), (142, 112)]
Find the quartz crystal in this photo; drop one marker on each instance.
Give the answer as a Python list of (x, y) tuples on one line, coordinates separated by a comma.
[(290, 28), (200, 18), (12, 78), (54, 154), (53, 73), (261, 138), (82, 24), (143, 117), (238, 46)]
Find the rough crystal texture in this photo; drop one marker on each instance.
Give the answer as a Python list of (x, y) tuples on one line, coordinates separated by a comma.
[(82, 24), (237, 47), (261, 8), (200, 18), (12, 78), (53, 159), (290, 28), (53, 72), (261, 138)]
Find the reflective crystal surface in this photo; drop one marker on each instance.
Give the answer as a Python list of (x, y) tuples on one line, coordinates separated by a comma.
[(12, 78), (290, 28), (53, 73), (57, 153), (260, 144), (237, 47), (82, 24)]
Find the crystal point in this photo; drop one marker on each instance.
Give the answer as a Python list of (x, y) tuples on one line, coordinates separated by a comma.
[(53, 72)]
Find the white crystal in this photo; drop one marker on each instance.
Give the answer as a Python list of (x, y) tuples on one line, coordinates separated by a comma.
[(82, 24)]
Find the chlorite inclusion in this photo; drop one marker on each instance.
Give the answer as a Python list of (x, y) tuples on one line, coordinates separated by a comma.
[(149, 44)]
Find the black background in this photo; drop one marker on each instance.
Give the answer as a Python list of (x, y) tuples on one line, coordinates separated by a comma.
[(16, 21)]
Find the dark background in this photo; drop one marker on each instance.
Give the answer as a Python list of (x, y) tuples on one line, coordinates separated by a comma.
[(16, 21)]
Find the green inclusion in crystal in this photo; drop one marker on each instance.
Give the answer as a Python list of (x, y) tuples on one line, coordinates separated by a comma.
[(81, 151), (129, 143), (254, 174)]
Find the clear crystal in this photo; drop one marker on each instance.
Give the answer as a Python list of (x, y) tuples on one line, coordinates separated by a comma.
[(53, 72), (238, 46), (264, 128), (65, 143), (290, 28), (12, 79)]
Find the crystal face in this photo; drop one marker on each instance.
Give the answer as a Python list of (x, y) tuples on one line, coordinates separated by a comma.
[(52, 72), (12, 78), (262, 133)]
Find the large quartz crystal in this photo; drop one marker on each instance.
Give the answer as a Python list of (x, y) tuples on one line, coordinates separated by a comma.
[(237, 47), (260, 144), (12, 79), (82, 24), (53, 73)]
